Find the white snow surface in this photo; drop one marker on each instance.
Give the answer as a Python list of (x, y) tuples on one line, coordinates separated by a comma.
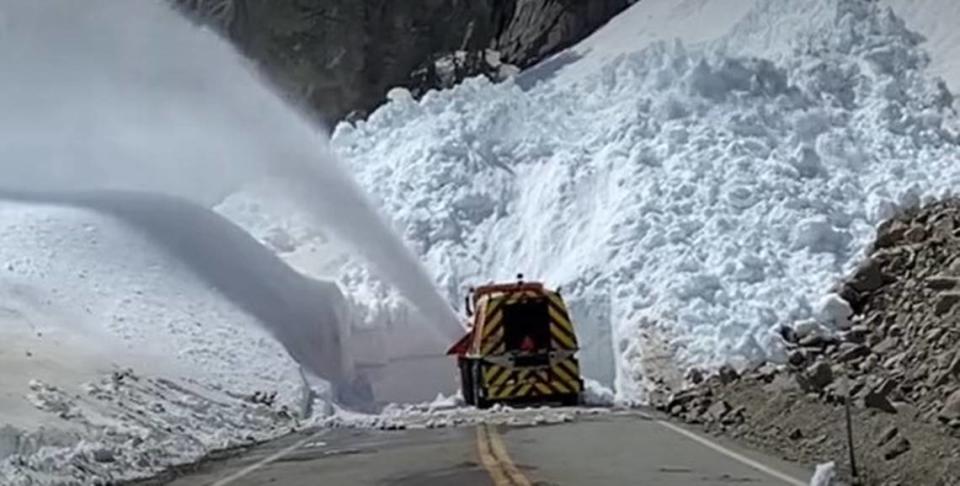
[(712, 191), (824, 475), (116, 360)]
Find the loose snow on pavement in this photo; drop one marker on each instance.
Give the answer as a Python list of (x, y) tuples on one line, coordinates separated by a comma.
[(710, 191), (450, 412)]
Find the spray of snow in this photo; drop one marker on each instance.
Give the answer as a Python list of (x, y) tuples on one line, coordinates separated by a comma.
[(107, 95), (711, 191), (80, 331), (109, 108)]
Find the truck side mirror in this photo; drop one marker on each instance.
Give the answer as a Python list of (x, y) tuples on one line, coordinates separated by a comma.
[(466, 306)]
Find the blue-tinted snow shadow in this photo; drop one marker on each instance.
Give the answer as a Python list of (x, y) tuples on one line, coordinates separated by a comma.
[(547, 69)]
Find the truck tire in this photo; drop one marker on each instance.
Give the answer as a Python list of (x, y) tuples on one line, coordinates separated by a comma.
[(466, 382), (570, 400), (479, 392)]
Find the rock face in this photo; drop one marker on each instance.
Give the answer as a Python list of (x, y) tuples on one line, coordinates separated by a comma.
[(898, 362), (901, 347), (342, 56)]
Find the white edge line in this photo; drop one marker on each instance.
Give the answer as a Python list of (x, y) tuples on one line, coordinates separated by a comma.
[(733, 455), (263, 462)]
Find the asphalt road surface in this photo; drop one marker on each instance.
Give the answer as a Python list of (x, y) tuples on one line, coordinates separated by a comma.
[(615, 449)]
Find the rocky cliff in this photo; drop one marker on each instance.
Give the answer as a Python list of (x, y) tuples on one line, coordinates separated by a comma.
[(341, 56), (895, 358)]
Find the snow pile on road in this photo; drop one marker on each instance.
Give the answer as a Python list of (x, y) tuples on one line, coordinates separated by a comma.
[(595, 394), (117, 360), (451, 412), (712, 191)]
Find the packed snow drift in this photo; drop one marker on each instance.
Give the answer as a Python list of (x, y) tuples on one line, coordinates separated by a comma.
[(707, 192)]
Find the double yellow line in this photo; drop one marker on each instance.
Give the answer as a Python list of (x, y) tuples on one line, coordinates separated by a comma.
[(494, 457)]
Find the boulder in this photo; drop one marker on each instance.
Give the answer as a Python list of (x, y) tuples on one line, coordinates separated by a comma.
[(896, 449), (878, 397), (869, 277), (888, 434), (942, 282), (951, 407), (797, 357), (915, 234), (695, 376), (718, 411), (782, 383), (819, 375), (891, 235), (886, 346), (728, 374), (852, 351), (856, 334), (946, 302)]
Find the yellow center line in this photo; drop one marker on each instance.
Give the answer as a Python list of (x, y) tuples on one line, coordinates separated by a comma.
[(494, 457)]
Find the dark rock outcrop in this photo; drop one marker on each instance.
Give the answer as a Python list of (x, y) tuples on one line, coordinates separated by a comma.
[(342, 56)]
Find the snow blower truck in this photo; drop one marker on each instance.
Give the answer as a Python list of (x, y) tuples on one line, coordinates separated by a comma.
[(520, 347)]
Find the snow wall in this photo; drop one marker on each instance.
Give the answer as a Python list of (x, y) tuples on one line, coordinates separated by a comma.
[(702, 192)]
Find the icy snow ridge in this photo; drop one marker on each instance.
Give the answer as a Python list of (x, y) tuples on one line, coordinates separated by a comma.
[(710, 195), (126, 426)]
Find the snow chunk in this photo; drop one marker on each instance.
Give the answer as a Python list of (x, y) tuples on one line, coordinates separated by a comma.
[(818, 235), (595, 394), (824, 475), (835, 311)]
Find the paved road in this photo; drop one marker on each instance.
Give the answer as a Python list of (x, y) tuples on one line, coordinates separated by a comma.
[(601, 450)]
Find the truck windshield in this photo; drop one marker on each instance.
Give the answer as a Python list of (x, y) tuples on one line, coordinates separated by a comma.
[(527, 326)]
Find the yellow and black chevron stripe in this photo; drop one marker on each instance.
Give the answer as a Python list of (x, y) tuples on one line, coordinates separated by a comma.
[(561, 329), (503, 383)]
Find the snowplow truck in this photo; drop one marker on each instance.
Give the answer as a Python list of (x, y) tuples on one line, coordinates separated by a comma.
[(520, 347)]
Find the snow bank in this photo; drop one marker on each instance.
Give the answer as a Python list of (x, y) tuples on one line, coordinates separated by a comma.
[(710, 192), (117, 359), (450, 412)]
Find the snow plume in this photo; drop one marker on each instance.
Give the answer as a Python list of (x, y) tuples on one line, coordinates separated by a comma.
[(127, 95), (712, 192), (130, 123)]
